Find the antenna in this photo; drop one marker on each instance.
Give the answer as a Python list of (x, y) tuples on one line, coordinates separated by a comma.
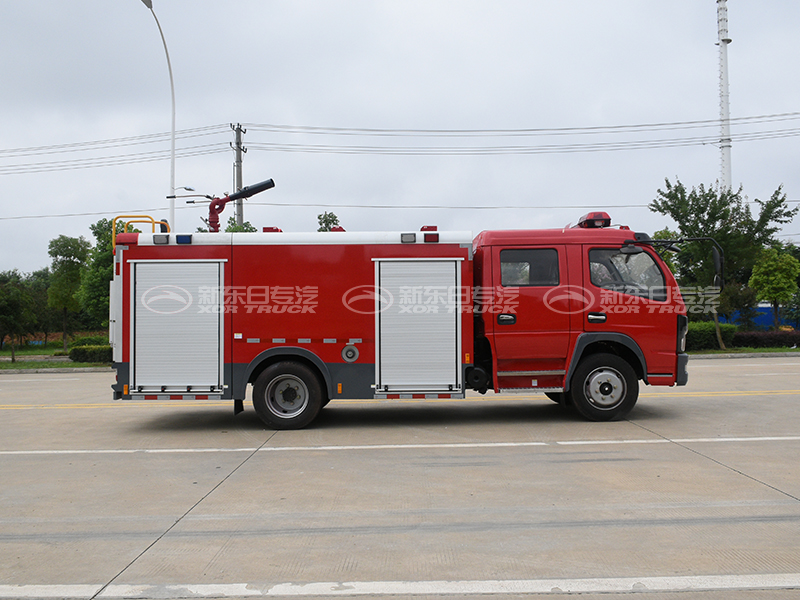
[(724, 98)]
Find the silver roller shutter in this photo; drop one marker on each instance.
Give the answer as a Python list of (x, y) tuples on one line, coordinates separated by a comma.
[(177, 340), (418, 334)]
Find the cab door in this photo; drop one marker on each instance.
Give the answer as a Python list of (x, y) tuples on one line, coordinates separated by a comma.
[(531, 317), (629, 295)]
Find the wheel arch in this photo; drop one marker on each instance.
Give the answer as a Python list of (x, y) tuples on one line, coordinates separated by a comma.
[(615, 343), (275, 355)]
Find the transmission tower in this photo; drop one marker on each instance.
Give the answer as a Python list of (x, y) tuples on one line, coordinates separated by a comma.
[(724, 97)]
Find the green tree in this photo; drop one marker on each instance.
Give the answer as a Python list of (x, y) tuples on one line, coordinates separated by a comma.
[(246, 226), (69, 255), (327, 221), (739, 303), (666, 255), (792, 310), (232, 227), (775, 279), (15, 313), (724, 215), (43, 315), (95, 278)]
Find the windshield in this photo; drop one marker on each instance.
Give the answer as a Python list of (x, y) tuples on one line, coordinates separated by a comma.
[(635, 274)]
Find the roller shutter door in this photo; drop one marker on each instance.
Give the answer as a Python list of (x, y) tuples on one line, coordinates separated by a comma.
[(177, 326), (418, 334)]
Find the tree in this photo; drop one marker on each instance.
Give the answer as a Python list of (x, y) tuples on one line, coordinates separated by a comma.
[(739, 302), (327, 221), (232, 227), (724, 215), (69, 255), (792, 310), (43, 316), (775, 279), (15, 313), (666, 255), (99, 271)]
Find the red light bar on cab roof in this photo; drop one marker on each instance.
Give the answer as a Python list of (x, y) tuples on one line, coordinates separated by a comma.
[(595, 220)]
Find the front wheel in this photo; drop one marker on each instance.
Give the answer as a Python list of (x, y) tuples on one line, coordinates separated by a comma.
[(604, 387), (287, 395)]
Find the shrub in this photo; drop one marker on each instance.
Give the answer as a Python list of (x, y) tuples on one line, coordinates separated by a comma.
[(767, 339), (703, 335), (90, 340), (91, 354)]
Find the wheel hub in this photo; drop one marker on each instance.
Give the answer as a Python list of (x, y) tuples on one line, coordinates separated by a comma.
[(605, 388), (287, 396)]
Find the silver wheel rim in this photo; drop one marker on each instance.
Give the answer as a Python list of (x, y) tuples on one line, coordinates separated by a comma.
[(605, 388), (287, 396)]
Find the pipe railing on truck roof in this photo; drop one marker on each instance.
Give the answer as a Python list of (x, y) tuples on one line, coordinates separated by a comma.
[(134, 219)]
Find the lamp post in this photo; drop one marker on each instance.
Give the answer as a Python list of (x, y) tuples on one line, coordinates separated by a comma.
[(149, 4)]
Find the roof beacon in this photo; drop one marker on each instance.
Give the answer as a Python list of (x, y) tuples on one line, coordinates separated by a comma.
[(595, 220)]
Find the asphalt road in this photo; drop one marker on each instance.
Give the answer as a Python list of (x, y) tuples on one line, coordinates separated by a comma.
[(695, 495)]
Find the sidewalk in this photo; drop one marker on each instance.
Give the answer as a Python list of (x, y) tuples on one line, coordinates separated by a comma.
[(744, 355)]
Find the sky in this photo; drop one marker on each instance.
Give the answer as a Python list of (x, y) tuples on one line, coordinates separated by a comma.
[(393, 114)]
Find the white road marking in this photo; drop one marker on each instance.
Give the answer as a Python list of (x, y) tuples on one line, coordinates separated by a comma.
[(777, 581), (48, 591), (788, 438), (40, 380), (541, 586), (738, 366), (456, 446)]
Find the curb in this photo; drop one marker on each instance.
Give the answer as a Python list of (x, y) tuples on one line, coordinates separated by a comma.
[(57, 370), (746, 355)]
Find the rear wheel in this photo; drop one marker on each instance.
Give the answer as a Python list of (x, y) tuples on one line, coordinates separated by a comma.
[(287, 395), (604, 387)]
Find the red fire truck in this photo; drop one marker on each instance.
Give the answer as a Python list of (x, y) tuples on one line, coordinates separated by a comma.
[(581, 314)]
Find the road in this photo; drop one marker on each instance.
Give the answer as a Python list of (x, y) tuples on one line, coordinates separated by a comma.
[(695, 495)]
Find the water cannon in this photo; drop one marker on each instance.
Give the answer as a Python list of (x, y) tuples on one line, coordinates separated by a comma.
[(218, 204)]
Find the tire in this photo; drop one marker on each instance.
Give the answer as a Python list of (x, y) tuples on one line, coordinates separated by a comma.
[(604, 387), (287, 395)]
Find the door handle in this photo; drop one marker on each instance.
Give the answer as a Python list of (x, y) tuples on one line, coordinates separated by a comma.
[(506, 319), (596, 317)]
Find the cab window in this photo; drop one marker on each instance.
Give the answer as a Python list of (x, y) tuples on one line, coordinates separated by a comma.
[(634, 274), (529, 267)]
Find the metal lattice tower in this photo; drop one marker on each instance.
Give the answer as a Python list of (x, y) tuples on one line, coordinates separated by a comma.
[(724, 97)]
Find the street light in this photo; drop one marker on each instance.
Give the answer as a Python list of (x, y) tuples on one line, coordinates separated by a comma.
[(149, 4)]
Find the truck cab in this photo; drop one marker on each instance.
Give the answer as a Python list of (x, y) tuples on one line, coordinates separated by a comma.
[(581, 314)]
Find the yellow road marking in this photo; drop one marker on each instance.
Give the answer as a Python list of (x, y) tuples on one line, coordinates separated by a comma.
[(500, 398)]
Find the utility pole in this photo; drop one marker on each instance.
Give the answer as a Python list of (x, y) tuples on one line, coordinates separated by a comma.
[(237, 170), (724, 98)]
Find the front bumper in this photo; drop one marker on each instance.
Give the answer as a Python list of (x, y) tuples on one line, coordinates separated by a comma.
[(682, 376)]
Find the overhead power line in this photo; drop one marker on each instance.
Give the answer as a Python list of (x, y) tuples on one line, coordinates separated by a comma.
[(110, 143), (499, 150), (646, 128), (637, 134), (358, 206)]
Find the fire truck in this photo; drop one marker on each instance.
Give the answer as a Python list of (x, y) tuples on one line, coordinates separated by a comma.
[(581, 314)]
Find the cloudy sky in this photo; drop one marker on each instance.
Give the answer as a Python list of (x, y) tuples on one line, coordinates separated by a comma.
[(502, 114)]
